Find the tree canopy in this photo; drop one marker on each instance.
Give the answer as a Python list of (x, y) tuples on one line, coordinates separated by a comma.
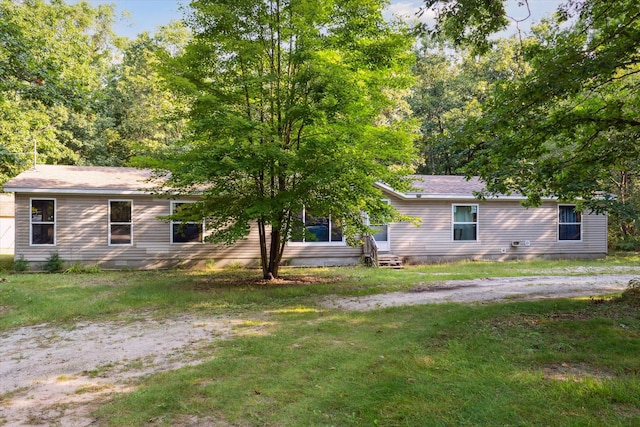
[(75, 93), (565, 127), (294, 105), (297, 105), (452, 85), (51, 55)]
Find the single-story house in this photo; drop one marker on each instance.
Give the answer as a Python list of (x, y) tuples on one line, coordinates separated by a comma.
[(108, 216)]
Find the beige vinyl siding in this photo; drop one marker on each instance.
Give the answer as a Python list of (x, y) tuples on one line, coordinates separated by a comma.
[(321, 254), (499, 224), (82, 236)]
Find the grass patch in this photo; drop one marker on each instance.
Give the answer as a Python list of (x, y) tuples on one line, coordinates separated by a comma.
[(545, 363), (28, 299)]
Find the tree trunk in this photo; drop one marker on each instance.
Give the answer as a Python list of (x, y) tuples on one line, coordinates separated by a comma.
[(263, 249), (275, 255), (270, 256)]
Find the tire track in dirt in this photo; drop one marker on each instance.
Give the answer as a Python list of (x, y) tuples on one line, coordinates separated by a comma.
[(490, 289)]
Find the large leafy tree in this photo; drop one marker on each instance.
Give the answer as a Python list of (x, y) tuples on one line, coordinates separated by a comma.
[(451, 86), (76, 93), (51, 58), (137, 114), (50, 49), (570, 127), (294, 105)]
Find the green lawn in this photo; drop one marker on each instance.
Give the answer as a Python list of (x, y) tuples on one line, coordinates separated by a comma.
[(552, 362), (546, 363)]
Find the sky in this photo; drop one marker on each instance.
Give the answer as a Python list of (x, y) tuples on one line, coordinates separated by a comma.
[(147, 15)]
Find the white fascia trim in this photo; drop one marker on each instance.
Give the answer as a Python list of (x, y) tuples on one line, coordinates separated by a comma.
[(74, 191), (459, 197), (426, 196), (388, 189)]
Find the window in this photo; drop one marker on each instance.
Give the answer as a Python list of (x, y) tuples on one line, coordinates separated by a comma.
[(43, 221), (120, 224), (465, 222), (569, 223), (185, 231), (317, 229), (380, 231)]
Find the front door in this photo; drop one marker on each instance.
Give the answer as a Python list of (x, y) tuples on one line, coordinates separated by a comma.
[(381, 236)]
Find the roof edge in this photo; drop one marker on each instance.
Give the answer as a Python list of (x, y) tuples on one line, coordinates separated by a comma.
[(386, 188), (73, 191), (452, 196)]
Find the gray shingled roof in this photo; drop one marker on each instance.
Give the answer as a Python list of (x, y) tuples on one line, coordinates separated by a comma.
[(84, 179), (120, 180), (445, 184)]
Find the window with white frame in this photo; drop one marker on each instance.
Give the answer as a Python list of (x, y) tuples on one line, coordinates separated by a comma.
[(569, 223), (43, 222), (465, 222), (120, 222), (317, 229), (380, 230), (185, 231)]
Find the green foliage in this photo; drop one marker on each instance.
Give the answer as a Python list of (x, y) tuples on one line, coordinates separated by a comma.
[(20, 265), (450, 88), (63, 94), (624, 232), (6, 262), (565, 124), (54, 263), (50, 63), (293, 104), (632, 293), (568, 126), (83, 269), (138, 115), (49, 49), (467, 22), (620, 242)]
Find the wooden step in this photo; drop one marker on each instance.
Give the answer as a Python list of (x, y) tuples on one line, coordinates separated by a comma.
[(389, 261)]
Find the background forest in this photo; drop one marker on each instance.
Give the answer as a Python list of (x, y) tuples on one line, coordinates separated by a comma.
[(553, 112)]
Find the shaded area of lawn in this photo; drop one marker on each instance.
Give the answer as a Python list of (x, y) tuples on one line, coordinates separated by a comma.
[(28, 299), (562, 362)]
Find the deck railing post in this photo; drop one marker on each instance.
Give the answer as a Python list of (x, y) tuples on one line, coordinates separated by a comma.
[(370, 251)]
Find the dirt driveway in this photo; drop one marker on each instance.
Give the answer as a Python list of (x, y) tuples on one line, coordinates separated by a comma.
[(491, 289), (51, 375)]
